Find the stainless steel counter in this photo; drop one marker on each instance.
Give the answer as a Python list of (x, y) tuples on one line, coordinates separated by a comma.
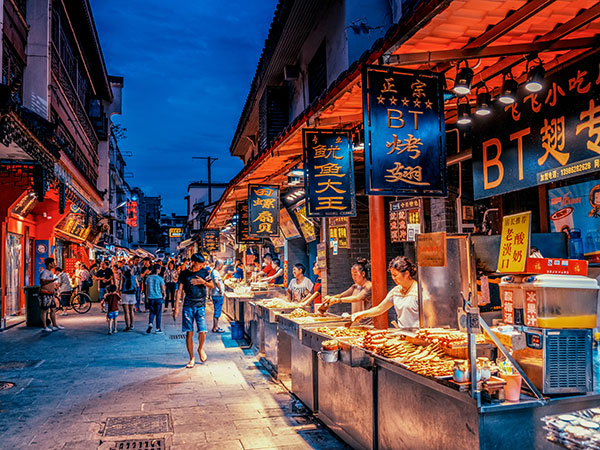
[(269, 318)]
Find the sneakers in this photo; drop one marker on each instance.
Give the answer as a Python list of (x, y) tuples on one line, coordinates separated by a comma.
[(131, 327), (126, 329), (58, 327), (109, 332), (149, 329), (115, 332), (48, 329), (158, 331), (65, 314)]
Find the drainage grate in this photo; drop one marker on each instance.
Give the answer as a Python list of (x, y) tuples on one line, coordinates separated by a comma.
[(132, 425), (4, 385), (177, 336), (144, 444), (12, 365)]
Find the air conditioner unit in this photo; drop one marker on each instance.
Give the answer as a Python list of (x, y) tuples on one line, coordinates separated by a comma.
[(291, 73)]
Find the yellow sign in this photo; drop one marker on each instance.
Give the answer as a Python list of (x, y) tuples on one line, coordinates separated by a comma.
[(175, 232), (514, 245)]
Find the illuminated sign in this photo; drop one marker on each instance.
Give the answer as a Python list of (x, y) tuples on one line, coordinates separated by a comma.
[(514, 243), (132, 214), (263, 210), (175, 232)]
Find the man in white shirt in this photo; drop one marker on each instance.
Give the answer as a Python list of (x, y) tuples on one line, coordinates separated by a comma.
[(47, 299)]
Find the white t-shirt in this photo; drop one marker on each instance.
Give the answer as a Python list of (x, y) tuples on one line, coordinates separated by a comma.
[(300, 291), (64, 283), (407, 305), (44, 276)]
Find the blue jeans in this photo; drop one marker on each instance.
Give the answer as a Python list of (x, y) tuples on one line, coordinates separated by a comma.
[(218, 304), (138, 297), (193, 314), (156, 305), (101, 293)]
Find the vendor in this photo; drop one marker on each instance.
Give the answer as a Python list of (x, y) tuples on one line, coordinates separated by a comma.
[(300, 287), (277, 277), (268, 270), (359, 294), (315, 297), (404, 297)]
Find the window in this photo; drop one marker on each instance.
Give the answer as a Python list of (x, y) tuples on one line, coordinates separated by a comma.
[(317, 73)]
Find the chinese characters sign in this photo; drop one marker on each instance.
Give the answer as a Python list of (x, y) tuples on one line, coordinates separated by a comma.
[(132, 213), (329, 173), (243, 227), (514, 243), (431, 249), (210, 240), (306, 225), (543, 137), (530, 309), (405, 149), (405, 220), (339, 230), (175, 232), (263, 210)]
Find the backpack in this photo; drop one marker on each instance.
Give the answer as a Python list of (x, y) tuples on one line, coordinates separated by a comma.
[(128, 283)]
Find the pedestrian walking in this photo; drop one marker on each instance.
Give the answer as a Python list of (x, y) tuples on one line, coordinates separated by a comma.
[(112, 299), (171, 277), (218, 295), (47, 299), (144, 272), (63, 284), (104, 277), (129, 288), (83, 278), (136, 271), (194, 283), (155, 288)]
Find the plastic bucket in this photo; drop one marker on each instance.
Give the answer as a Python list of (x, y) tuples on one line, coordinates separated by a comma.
[(512, 390), (237, 330)]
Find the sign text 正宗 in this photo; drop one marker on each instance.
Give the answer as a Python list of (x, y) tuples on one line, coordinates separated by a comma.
[(263, 210), (405, 151), (329, 173), (543, 137)]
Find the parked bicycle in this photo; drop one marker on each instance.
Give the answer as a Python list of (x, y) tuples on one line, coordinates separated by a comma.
[(79, 301)]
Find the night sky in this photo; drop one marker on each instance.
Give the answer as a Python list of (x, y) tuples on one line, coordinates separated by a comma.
[(187, 73)]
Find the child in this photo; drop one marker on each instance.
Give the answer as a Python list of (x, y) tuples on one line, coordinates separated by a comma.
[(112, 299)]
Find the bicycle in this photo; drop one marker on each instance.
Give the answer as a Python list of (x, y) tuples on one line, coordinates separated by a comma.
[(79, 301)]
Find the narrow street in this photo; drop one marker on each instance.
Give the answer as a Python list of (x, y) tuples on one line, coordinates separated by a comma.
[(71, 383)]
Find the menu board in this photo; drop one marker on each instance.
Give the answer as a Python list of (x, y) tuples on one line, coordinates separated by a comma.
[(210, 240), (339, 230), (405, 219)]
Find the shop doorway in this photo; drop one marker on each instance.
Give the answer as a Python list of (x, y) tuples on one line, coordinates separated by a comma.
[(13, 273)]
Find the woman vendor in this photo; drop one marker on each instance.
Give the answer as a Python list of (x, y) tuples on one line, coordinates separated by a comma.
[(359, 294), (315, 297), (403, 297), (277, 277), (300, 287)]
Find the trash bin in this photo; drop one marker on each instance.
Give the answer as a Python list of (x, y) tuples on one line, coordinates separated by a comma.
[(237, 330), (32, 306)]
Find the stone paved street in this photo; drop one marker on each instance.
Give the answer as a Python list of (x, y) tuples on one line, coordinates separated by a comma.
[(74, 379)]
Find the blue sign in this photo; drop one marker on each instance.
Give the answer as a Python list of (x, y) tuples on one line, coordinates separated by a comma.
[(263, 210), (405, 153), (542, 137), (42, 251), (329, 173), (578, 206)]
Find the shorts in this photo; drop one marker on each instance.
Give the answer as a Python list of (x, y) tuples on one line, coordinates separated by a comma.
[(218, 304), (193, 314), (112, 314), (128, 299), (47, 302)]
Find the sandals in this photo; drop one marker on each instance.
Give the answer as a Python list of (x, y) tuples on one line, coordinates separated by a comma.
[(218, 330)]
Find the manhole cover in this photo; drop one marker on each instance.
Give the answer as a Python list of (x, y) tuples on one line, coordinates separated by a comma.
[(4, 385), (145, 444), (131, 425), (12, 365), (177, 336)]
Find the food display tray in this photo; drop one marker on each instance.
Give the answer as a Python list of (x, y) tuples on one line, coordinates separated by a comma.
[(290, 326), (350, 355)]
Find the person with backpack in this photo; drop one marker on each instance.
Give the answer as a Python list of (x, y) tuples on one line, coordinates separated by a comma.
[(128, 295)]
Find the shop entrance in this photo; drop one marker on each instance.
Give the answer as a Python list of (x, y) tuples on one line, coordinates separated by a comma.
[(13, 273)]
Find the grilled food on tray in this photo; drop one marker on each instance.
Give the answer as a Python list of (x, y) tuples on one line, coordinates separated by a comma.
[(342, 332), (278, 303), (446, 338), (299, 312)]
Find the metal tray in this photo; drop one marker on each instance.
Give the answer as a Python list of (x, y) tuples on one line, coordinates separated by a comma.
[(271, 315), (350, 355), (293, 328)]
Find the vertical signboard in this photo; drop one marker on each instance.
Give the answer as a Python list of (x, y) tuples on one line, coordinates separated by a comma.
[(41, 253), (339, 230), (210, 240), (243, 227), (514, 243), (405, 219), (542, 137), (329, 173), (263, 210), (405, 153)]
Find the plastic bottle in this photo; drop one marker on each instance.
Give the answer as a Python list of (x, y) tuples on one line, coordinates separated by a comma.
[(575, 244)]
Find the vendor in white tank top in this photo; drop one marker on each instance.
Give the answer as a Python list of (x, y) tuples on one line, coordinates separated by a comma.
[(359, 294), (404, 296)]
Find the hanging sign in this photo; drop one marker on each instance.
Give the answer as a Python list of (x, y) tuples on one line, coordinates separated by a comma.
[(175, 232), (542, 137), (306, 225), (329, 173), (514, 243), (405, 152), (339, 230), (405, 220), (431, 249), (263, 210), (242, 226), (210, 240), (132, 214)]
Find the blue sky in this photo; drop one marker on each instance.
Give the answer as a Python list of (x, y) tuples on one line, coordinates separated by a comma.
[(187, 74)]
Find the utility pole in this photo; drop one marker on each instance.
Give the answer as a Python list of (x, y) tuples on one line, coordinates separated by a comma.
[(209, 161)]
